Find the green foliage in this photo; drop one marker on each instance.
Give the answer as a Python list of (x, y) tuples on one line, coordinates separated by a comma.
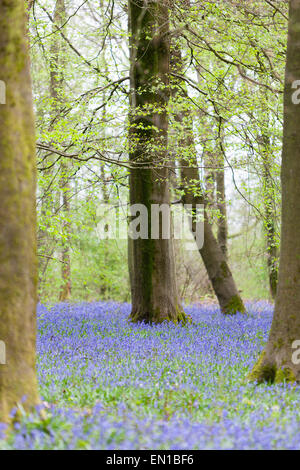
[(233, 74)]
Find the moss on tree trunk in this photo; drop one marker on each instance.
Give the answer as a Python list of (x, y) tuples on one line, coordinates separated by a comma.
[(277, 362), (152, 267), (18, 265)]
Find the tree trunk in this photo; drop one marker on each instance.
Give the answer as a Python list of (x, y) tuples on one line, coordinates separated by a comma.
[(57, 95), (276, 362), (29, 5), (214, 259), (209, 161), (221, 202), (65, 288), (153, 287), (18, 264), (269, 216), (270, 229)]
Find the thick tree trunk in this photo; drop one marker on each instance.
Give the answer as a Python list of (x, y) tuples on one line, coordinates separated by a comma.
[(212, 255), (153, 288), (18, 265), (276, 362)]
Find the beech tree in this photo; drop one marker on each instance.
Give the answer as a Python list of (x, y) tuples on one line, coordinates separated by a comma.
[(57, 64), (211, 252), (221, 202), (153, 280), (18, 264), (276, 362)]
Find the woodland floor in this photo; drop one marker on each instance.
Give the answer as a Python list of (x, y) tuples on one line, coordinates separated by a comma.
[(108, 384)]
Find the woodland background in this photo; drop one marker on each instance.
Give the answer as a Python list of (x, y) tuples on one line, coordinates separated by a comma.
[(233, 55)]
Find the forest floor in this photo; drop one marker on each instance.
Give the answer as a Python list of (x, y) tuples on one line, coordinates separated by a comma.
[(109, 384)]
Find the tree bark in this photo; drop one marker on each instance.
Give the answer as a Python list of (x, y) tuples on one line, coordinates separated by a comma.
[(209, 161), (221, 203), (276, 362), (18, 263), (29, 5), (269, 215), (214, 259), (65, 288), (270, 229), (212, 255), (153, 287), (57, 95)]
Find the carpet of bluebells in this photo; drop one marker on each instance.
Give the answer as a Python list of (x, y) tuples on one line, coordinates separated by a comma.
[(109, 384)]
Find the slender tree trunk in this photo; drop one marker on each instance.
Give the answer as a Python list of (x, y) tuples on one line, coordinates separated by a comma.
[(52, 197), (153, 288), (209, 160), (212, 255), (269, 216), (214, 259), (57, 95), (270, 229), (18, 264), (65, 289), (104, 290), (268, 192), (277, 362), (30, 4), (221, 202)]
